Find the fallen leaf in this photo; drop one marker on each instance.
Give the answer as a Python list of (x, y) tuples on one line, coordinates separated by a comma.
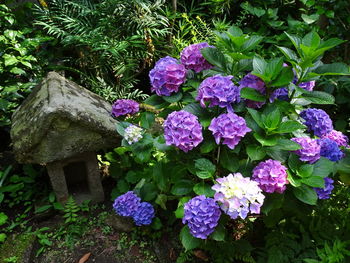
[(201, 255), (84, 258)]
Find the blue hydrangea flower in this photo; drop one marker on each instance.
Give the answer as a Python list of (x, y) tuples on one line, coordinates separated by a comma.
[(202, 215), (318, 121), (330, 150), (324, 193), (144, 214), (281, 94), (126, 204)]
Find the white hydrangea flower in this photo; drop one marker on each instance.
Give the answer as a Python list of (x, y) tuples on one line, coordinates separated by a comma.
[(133, 134)]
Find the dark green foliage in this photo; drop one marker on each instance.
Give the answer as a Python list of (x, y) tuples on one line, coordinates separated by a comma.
[(111, 41)]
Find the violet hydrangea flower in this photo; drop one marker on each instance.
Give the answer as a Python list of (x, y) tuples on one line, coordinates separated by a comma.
[(310, 149), (132, 134), (126, 204), (317, 120), (192, 58), (229, 127), (324, 193), (183, 130), (144, 214), (330, 150), (254, 82), (219, 91), (238, 195), (271, 176), (124, 107), (280, 93), (202, 215), (309, 86), (338, 137), (167, 76)]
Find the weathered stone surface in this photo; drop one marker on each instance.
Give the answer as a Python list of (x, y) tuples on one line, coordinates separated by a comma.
[(61, 119)]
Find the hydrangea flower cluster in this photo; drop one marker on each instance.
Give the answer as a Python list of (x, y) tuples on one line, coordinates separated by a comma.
[(338, 137), (229, 127), (132, 134), (219, 91), (192, 58), (317, 120), (310, 149), (183, 130), (271, 176), (309, 86), (238, 195), (144, 214), (124, 107), (254, 82), (330, 150), (324, 193), (281, 94), (202, 215), (130, 205), (167, 76)]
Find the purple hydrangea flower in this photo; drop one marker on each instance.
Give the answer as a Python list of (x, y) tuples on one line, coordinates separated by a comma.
[(324, 193), (167, 76), (338, 137), (202, 215), (281, 94), (143, 214), (330, 150), (192, 58), (307, 85), (219, 91), (123, 107), (229, 127), (238, 195), (271, 176), (254, 82), (310, 149), (183, 130), (126, 204), (317, 120)]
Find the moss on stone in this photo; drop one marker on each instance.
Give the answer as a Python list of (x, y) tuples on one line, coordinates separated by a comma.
[(18, 246)]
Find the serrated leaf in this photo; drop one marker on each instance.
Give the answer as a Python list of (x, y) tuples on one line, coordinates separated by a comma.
[(255, 152), (314, 181), (265, 140), (214, 56), (204, 168), (228, 160), (289, 126), (319, 97), (252, 94), (256, 117)]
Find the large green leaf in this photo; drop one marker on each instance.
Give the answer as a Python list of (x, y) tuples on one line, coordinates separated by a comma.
[(252, 94), (187, 240), (314, 181), (288, 53), (289, 126), (214, 56), (203, 189), (319, 97), (182, 187), (204, 168), (219, 233), (173, 98), (255, 152), (284, 78), (306, 194), (331, 69), (228, 160)]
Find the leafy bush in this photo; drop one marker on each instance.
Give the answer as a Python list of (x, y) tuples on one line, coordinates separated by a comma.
[(244, 125), (111, 41)]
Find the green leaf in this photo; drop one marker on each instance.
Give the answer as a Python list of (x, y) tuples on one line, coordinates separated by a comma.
[(148, 191), (277, 153), (4, 104), (2, 237), (133, 177), (235, 31), (204, 168), (259, 65), (219, 233), (310, 19), (9, 60), (271, 202), (160, 176), (42, 209), (203, 189), (289, 126), (288, 145), (161, 200), (319, 97), (156, 224), (255, 152), (256, 116), (323, 167), (122, 186), (214, 56), (3, 218), (293, 162), (208, 146), (293, 180), (331, 69), (120, 126), (312, 40), (284, 78), (305, 170), (173, 98), (147, 119), (187, 240), (228, 160), (295, 40), (272, 119), (252, 94), (179, 213), (156, 101), (182, 187), (273, 68), (251, 43), (288, 53), (314, 181), (306, 194), (265, 140), (17, 71)]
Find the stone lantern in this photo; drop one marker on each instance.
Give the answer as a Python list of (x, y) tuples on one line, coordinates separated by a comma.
[(62, 125)]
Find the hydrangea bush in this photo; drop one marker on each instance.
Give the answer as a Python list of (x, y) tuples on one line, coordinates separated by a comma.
[(229, 135)]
